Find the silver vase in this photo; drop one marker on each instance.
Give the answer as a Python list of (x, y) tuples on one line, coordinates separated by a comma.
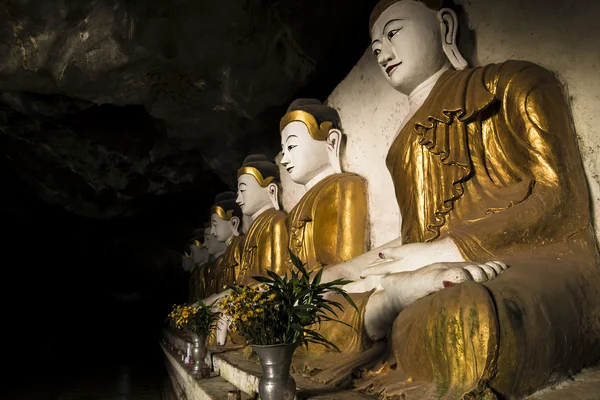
[(276, 382), (198, 352)]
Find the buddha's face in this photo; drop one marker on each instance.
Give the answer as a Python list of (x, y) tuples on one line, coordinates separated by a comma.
[(407, 42), (220, 228), (303, 157), (251, 196), (210, 241)]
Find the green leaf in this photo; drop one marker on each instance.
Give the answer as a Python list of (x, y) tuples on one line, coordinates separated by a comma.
[(262, 279), (317, 279)]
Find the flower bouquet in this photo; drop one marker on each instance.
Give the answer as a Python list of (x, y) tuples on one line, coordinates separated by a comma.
[(199, 322), (280, 315)]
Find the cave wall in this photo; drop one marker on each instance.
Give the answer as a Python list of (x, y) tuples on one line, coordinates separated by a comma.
[(560, 36)]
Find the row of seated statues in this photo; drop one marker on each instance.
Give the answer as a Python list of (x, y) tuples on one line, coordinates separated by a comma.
[(492, 289)]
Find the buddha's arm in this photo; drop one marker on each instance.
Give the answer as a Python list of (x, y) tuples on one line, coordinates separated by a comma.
[(538, 121), (340, 221), (279, 247), (353, 218), (215, 297)]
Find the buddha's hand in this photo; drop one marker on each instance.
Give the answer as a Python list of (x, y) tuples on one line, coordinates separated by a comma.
[(412, 256)]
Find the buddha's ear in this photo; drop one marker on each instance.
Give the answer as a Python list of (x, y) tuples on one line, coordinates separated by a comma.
[(334, 142), (274, 195), (449, 30), (235, 226)]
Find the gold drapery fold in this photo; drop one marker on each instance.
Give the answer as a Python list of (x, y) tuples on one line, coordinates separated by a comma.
[(265, 247)]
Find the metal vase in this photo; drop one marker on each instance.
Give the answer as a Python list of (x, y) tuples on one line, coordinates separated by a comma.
[(276, 382), (198, 352)]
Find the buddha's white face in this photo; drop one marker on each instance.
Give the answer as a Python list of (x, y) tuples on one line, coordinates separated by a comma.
[(251, 196), (211, 243), (407, 42), (302, 156), (220, 228)]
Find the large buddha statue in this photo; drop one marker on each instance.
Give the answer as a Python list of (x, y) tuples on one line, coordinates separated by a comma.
[(226, 219), (266, 244), (486, 167)]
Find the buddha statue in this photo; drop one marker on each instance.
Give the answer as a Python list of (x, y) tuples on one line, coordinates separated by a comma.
[(198, 258), (487, 173), (226, 219), (329, 224), (198, 252), (188, 265), (186, 259), (215, 250), (266, 245)]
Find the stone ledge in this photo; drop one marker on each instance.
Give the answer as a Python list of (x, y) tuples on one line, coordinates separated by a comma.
[(231, 370), (246, 374), (189, 388), (583, 386)]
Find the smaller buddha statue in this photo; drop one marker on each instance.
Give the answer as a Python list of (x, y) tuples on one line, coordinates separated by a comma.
[(187, 264), (198, 252), (198, 257), (266, 245), (329, 223), (226, 219), (215, 250), (186, 259)]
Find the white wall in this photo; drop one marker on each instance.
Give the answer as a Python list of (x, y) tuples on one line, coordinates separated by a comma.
[(564, 38)]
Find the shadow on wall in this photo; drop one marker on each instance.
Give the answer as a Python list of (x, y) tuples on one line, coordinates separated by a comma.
[(467, 39)]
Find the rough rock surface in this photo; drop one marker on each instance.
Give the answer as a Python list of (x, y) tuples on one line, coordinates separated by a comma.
[(106, 104)]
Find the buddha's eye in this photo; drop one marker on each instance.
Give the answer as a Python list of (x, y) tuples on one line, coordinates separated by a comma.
[(393, 32), (290, 147), (376, 52)]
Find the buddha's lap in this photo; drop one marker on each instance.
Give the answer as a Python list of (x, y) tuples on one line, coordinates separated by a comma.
[(537, 318)]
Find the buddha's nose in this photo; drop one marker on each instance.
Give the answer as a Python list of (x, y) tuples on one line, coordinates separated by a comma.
[(386, 55)]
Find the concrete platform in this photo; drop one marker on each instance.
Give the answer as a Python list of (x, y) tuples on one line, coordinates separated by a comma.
[(231, 370), (583, 386), (189, 388)]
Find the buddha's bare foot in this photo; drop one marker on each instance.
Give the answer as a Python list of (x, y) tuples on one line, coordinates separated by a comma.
[(402, 289)]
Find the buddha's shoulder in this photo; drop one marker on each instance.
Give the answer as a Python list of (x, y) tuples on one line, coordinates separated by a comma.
[(514, 72), (267, 220), (350, 181), (272, 215), (239, 240)]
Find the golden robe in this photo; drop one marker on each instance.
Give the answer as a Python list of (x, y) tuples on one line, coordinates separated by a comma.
[(491, 161), (265, 247), (228, 265), (191, 287), (204, 276), (329, 225), (196, 283)]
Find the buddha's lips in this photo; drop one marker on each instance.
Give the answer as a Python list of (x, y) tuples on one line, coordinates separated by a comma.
[(389, 69), (289, 169)]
